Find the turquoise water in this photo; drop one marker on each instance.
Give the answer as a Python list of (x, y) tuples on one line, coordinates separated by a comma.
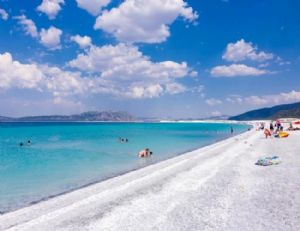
[(66, 156)]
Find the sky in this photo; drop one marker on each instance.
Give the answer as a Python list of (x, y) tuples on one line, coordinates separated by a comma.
[(158, 58)]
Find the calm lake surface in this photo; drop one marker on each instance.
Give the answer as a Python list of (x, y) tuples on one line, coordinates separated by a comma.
[(66, 156)]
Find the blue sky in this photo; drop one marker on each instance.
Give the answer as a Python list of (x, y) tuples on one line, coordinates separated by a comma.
[(167, 58)]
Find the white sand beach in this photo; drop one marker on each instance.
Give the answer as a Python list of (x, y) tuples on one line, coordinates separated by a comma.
[(217, 187)]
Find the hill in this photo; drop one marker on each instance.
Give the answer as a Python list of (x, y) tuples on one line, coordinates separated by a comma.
[(279, 111), (86, 116)]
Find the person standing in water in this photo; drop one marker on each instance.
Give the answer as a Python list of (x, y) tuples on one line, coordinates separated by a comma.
[(231, 130)]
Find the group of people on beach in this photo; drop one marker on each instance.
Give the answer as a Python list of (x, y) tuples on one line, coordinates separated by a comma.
[(276, 129)]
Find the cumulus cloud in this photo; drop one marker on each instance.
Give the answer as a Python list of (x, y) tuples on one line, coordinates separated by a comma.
[(242, 50), (129, 73), (284, 97), (50, 7), (82, 41), (234, 70), (51, 38), (3, 14), (13, 73), (94, 7), (126, 62), (213, 102), (150, 91), (143, 20), (63, 84), (28, 26), (235, 99), (175, 88)]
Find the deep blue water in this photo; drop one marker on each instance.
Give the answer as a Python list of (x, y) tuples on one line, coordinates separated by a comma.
[(65, 156)]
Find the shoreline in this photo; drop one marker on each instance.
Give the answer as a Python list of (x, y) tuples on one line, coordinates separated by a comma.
[(32, 203), (110, 181)]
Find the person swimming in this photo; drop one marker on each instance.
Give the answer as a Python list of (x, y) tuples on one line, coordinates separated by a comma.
[(145, 153), (28, 143), (123, 140)]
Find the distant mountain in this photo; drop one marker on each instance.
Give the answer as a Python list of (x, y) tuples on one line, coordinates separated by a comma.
[(280, 111), (4, 119), (86, 116), (220, 117)]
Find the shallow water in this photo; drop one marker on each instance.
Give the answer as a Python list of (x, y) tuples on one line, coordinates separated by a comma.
[(65, 156)]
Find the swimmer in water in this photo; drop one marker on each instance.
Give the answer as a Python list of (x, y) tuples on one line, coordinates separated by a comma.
[(145, 153)]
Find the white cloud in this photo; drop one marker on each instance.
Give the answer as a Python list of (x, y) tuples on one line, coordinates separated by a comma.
[(51, 38), (242, 50), (13, 73), (262, 65), (126, 62), (235, 99), (213, 102), (125, 69), (236, 70), (194, 74), (82, 41), (143, 20), (50, 7), (175, 88), (150, 91), (198, 89), (285, 63), (285, 97), (3, 14), (216, 113), (63, 84), (28, 25), (94, 7)]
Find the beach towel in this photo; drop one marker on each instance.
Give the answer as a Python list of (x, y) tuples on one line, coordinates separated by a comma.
[(267, 161)]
